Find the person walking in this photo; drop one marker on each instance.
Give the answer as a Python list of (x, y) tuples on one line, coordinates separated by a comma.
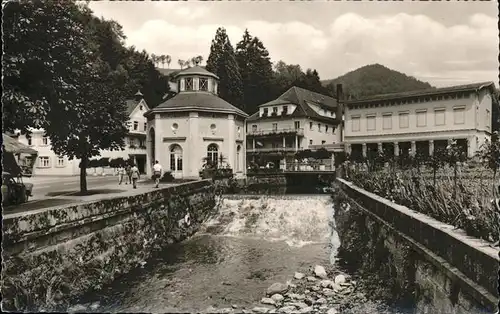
[(157, 170), (128, 170), (121, 174), (135, 175)]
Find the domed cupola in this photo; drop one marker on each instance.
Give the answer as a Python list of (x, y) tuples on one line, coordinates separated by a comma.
[(198, 80)]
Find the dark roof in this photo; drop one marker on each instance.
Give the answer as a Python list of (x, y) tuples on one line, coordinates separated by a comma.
[(424, 92), (301, 98), (131, 104), (199, 100), (196, 70), (11, 145), (167, 72)]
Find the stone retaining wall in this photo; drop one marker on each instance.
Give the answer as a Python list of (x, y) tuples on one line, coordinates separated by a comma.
[(54, 254), (449, 272)]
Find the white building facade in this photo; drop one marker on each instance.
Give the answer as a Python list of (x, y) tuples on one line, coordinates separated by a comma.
[(419, 121), (196, 125), (50, 164)]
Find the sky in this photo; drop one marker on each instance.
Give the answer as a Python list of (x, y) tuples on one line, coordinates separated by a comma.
[(443, 43)]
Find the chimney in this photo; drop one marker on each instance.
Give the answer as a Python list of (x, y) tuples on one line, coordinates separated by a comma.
[(138, 96), (340, 102)]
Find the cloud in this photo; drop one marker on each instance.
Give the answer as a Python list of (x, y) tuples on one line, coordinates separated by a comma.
[(414, 44)]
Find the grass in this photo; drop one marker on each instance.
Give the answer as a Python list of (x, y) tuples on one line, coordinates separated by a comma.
[(467, 204)]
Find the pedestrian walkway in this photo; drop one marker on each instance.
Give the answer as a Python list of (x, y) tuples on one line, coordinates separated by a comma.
[(65, 199)]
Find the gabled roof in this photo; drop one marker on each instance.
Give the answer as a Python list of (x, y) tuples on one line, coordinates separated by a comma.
[(201, 101), (13, 146), (132, 104), (425, 92), (302, 98)]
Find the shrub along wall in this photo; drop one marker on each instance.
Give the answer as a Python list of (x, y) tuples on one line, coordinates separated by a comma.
[(57, 253), (439, 268)]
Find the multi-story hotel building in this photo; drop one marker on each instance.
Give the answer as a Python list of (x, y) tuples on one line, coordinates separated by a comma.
[(298, 119), (48, 163), (420, 121)]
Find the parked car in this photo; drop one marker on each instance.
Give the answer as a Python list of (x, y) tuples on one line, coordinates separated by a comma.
[(14, 190)]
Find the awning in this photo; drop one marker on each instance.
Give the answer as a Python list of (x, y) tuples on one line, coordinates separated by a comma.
[(13, 146)]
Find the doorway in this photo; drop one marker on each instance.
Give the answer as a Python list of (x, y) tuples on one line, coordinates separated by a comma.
[(176, 161)]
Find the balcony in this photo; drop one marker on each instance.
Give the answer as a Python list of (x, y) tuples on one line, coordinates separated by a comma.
[(272, 149), (276, 132), (337, 147)]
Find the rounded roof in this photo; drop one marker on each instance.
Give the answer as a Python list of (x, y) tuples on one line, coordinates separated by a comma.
[(196, 70), (200, 101)]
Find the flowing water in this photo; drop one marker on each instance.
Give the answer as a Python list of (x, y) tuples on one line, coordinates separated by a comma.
[(253, 242)]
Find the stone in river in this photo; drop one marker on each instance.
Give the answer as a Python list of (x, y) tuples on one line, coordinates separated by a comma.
[(277, 287), (259, 309), (299, 275), (308, 309), (327, 283), (287, 309), (277, 297), (332, 311), (300, 305), (321, 301), (77, 308), (296, 296), (339, 279), (311, 278), (320, 271), (267, 301), (315, 288)]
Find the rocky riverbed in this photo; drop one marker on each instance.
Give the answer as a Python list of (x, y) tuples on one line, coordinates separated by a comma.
[(318, 291)]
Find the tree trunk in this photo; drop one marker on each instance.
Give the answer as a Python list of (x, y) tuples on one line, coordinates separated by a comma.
[(83, 174)]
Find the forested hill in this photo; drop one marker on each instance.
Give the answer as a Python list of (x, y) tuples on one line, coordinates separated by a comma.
[(375, 79)]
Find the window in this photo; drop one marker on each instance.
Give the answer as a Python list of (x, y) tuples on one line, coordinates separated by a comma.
[(176, 158), (297, 124), (203, 84), (439, 116), (30, 140), (285, 110), (213, 127), (387, 121), (319, 127), (355, 123), (310, 142), (310, 125), (44, 162), (140, 107), (45, 140), (238, 130), (370, 123), (275, 126), (189, 83), (275, 109), (326, 128), (212, 154), (403, 120), (136, 125), (145, 126), (421, 117), (266, 111), (60, 161), (459, 115), (488, 119), (323, 142), (254, 128)]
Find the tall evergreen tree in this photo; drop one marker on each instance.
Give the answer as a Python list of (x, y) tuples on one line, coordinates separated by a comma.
[(222, 62), (256, 71)]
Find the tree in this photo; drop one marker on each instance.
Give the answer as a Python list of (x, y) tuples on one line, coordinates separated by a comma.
[(181, 63), (168, 59), (256, 72), (222, 62)]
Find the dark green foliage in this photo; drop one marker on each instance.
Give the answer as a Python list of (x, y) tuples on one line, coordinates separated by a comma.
[(375, 79), (222, 62), (256, 72), (167, 177)]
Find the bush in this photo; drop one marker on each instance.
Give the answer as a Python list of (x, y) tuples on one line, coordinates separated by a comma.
[(255, 171), (167, 177), (216, 173)]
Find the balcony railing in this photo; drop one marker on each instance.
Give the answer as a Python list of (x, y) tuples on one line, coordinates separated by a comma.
[(329, 147), (272, 149), (296, 131)]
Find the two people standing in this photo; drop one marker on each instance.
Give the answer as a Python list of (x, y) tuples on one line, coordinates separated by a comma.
[(132, 173)]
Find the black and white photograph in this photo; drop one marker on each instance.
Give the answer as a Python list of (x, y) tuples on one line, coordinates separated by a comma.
[(324, 157)]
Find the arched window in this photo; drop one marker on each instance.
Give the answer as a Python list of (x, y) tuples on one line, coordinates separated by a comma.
[(175, 158), (212, 154)]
